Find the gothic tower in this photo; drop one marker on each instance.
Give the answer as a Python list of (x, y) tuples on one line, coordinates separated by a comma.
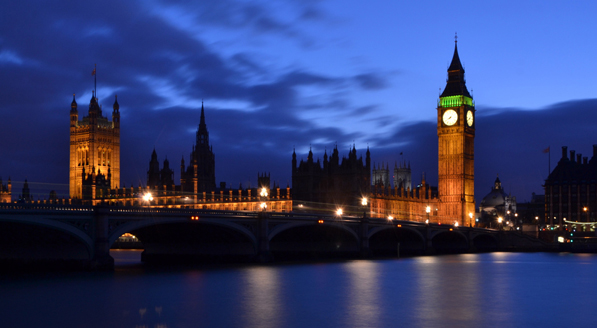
[(205, 161), (456, 150), (94, 147), (200, 175)]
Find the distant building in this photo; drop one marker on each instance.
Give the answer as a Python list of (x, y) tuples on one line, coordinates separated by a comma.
[(402, 176), (25, 196), (532, 212), (380, 175), (332, 183), (200, 175), (5, 192), (571, 189), (497, 204)]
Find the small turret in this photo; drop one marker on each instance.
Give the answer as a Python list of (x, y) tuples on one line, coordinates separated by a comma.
[(93, 110), (116, 113), (74, 113)]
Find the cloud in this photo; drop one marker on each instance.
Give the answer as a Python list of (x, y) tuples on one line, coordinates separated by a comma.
[(257, 111), (371, 81)]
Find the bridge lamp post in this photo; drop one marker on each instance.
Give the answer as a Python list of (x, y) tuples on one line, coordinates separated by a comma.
[(339, 212), (263, 193), (428, 210), (470, 222), (147, 198), (364, 202), (499, 222)]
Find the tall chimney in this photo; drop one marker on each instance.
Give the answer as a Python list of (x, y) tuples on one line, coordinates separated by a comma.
[(564, 152), (572, 152), (585, 160), (594, 150), (578, 158)]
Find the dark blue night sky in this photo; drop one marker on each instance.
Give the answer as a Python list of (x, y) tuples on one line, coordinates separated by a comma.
[(284, 75)]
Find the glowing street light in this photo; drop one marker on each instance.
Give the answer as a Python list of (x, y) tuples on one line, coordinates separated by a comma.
[(147, 197), (364, 201), (427, 209), (339, 212), (263, 206), (390, 217), (263, 192), (456, 224)]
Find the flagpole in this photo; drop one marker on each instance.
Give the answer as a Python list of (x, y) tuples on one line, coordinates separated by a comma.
[(95, 80), (549, 162)]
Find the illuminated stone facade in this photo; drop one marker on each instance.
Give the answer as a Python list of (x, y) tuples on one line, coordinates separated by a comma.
[(406, 204), (5, 192), (456, 148), (94, 151)]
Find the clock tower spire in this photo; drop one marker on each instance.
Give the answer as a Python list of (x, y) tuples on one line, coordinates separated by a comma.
[(456, 150)]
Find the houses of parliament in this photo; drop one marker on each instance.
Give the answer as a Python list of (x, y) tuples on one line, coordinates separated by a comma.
[(347, 182)]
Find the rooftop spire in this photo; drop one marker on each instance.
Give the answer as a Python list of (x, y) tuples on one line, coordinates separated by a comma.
[(202, 120), (202, 133), (116, 106), (73, 105), (456, 85)]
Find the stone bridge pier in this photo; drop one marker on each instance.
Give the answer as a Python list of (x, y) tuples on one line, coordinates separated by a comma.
[(101, 258)]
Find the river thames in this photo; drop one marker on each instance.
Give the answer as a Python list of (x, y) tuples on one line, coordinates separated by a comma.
[(467, 290)]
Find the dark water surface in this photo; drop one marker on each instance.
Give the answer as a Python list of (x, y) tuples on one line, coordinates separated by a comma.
[(470, 290)]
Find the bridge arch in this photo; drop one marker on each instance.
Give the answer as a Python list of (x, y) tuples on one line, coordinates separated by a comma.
[(384, 240), (60, 226), (286, 226), (138, 224), (310, 239), (392, 227), (486, 242), (449, 241)]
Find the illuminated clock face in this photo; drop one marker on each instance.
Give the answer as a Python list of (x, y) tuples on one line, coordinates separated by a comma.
[(450, 117), (469, 118)]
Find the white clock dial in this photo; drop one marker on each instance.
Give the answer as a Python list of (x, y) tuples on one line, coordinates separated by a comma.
[(450, 117), (469, 118)]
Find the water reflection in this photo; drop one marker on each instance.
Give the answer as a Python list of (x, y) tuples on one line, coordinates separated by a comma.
[(261, 303), (447, 289), (479, 290), (363, 302)]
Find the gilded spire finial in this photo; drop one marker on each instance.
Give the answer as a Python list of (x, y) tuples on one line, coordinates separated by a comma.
[(456, 37)]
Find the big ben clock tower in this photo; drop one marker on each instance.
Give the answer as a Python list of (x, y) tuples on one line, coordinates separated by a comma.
[(456, 147)]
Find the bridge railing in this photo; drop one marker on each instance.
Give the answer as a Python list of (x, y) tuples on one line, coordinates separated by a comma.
[(46, 207)]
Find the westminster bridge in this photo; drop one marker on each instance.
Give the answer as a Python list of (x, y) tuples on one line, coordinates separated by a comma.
[(34, 233)]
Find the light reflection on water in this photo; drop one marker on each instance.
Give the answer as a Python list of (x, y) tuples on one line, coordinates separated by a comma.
[(260, 297), (363, 301), (470, 290)]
